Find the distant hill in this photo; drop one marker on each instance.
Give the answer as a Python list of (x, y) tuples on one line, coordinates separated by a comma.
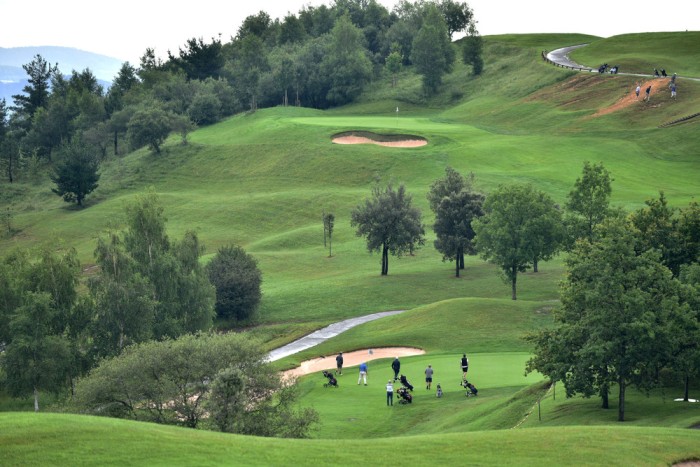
[(13, 77)]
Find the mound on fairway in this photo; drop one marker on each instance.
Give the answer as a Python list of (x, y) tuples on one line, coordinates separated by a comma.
[(367, 137)]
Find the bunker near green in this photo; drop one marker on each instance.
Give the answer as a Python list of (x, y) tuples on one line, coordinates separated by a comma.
[(368, 137)]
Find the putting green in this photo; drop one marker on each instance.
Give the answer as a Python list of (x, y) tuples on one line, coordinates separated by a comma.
[(358, 411)]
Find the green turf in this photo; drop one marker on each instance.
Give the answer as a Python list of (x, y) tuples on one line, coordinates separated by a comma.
[(263, 181), (74, 440)]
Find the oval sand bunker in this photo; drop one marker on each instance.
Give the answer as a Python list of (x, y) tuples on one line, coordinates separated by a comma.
[(351, 359), (367, 137)]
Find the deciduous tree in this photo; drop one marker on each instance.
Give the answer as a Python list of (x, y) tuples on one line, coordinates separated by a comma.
[(432, 52), (76, 172), (455, 205), (237, 280), (589, 201), (510, 234), (150, 127), (389, 223)]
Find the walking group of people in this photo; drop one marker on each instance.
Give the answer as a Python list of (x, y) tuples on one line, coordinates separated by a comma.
[(647, 91), (403, 392)]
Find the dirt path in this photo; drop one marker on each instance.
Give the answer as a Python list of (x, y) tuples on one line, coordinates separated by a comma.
[(657, 85), (351, 359)]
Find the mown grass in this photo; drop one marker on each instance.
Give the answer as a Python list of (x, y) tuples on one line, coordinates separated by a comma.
[(76, 440), (263, 180)]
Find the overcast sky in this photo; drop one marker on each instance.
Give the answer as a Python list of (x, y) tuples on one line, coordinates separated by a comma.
[(123, 29)]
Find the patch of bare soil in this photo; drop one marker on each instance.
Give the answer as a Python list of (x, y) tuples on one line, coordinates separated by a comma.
[(409, 143), (350, 359), (657, 85)]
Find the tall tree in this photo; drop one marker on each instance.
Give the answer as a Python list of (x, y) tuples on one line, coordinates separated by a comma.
[(200, 60), (76, 173), (455, 205), (37, 359), (183, 295), (472, 50), (589, 201), (659, 228), (685, 327), (458, 16), (616, 306), (36, 92), (510, 234), (389, 223), (346, 63), (123, 299), (432, 52)]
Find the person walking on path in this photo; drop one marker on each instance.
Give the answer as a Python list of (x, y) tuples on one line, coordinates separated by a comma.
[(673, 90), (636, 90), (465, 366), (396, 366), (389, 393), (363, 373), (339, 364), (428, 376), (647, 93)]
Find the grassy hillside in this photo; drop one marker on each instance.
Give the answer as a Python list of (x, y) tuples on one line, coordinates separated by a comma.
[(263, 180), (72, 440)]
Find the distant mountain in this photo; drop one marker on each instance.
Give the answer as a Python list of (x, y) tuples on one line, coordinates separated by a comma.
[(13, 77)]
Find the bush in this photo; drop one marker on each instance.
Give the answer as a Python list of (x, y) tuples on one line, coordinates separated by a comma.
[(237, 280)]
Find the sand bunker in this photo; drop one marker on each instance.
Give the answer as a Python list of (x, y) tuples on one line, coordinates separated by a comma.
[(351, 359), (367, 137)]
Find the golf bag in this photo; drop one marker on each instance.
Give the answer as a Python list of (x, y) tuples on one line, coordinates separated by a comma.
[(405, 383), (404, 396), (471, 389), (332, 382)]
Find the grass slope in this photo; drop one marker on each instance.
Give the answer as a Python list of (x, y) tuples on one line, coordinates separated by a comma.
[(76, 440), (262, 180)]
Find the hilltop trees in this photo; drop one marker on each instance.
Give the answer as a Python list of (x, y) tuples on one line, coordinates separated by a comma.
[(37, 91), (431, 51), (346, 63), (389, 223)]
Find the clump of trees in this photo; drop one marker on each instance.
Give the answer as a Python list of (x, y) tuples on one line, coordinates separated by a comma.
[(629, 310), (219, 382)]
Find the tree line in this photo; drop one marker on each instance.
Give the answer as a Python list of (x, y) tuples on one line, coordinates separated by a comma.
[(320, 57)]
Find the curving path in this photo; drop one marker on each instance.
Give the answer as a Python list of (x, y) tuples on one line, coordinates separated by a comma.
[(324, 334), (560, 57)]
